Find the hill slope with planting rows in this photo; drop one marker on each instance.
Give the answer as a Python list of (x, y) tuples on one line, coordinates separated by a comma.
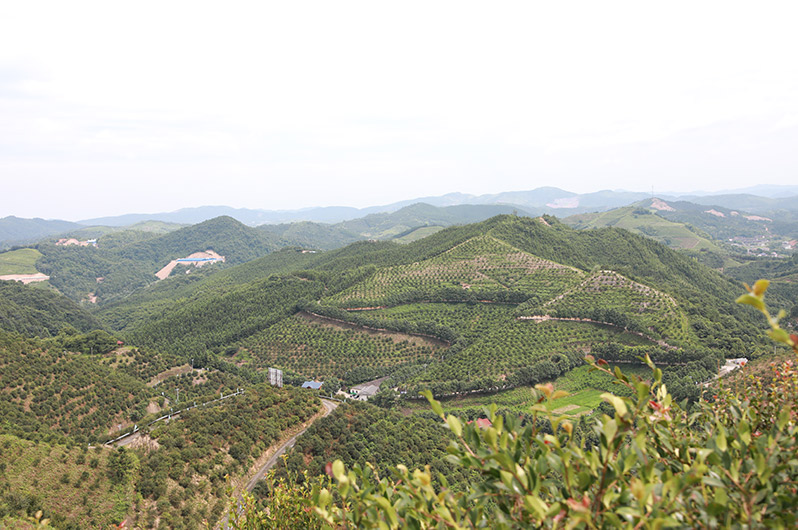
[(606, 296), (321, 349), (470, 287), (481, 266)]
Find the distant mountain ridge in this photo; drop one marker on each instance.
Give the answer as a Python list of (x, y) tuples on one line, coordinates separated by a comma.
[(537, 201), (543, 200), (18, 231)]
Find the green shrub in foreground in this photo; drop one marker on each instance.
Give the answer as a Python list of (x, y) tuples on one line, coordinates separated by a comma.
[(732, 462)]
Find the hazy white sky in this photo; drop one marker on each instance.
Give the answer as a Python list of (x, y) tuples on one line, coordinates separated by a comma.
[(112, 108)]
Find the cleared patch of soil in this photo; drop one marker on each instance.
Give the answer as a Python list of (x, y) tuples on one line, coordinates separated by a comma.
[(394, 335), (25, 278), (567, 408), (144, 442), (177, 370), (659, 204)]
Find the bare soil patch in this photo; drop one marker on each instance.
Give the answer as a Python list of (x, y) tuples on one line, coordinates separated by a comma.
[(25, 278), (153, 407), (394, 335), (567, 408), (659, 204), (177, 370)]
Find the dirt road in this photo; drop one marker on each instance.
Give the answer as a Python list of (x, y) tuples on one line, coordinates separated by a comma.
[(329, 406)]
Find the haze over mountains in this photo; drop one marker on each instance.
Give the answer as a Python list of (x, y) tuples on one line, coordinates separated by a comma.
[(542, 200)]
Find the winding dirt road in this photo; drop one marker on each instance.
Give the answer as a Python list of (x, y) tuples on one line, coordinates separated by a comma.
[(329, 407)]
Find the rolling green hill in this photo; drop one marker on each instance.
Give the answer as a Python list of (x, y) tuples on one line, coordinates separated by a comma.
[(32, 311), (313, 235), (485, 308), (397, 224), (640, 220), (119, 270), (638, 293), (18, 231), (479, 267), (405, 225)]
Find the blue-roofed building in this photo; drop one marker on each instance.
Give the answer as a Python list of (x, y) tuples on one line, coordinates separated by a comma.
[(315, 385)]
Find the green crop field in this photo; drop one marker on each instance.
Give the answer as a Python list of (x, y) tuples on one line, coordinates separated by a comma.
[(315, 348), (20, 261)]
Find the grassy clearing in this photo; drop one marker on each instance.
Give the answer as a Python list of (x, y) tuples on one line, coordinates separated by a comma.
[(420, 233), (584, 388), (20, 261), (582, 402)]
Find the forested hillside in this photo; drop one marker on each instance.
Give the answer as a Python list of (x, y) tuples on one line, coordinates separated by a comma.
[(50, 390), (16, 231), (32, 311), (505, 297), (61, 397), (476, 313), (184, 481), (118, 270)]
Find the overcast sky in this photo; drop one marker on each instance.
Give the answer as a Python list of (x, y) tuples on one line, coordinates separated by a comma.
[(109, 108)]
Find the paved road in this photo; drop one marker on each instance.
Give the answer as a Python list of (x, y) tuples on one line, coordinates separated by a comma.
[(328, 405)]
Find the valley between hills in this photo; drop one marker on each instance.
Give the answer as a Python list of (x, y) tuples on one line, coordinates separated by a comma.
[(475, 313)]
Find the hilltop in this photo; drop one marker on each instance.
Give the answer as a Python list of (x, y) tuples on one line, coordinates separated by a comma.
[(704, 227), (475, 288), (116, 267)]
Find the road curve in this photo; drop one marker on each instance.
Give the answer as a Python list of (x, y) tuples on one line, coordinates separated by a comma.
[(224, 523), (329, 407)]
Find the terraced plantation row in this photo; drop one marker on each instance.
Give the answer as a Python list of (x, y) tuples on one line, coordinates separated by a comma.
[(469, 320), (505, 352), (491, 348), (318, 348), (481, 266), (607, 296)]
